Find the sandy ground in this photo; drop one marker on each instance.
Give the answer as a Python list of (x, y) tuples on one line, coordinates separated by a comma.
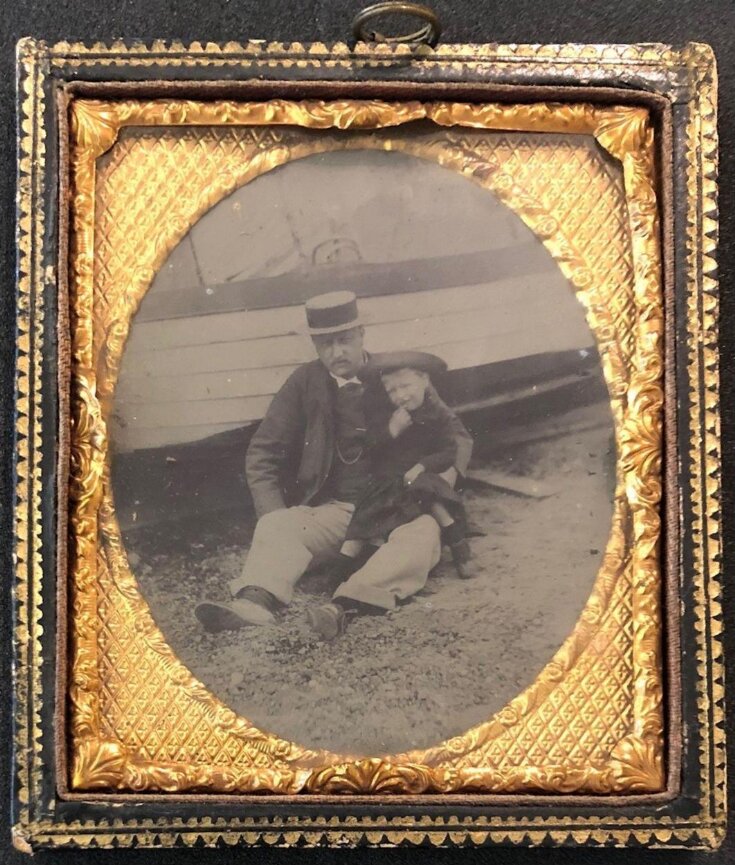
[(444, 661)]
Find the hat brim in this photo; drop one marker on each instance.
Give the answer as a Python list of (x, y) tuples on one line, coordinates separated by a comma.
[(391, 361)]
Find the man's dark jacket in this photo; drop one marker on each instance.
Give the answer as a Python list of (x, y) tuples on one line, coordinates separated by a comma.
[(291, 453)]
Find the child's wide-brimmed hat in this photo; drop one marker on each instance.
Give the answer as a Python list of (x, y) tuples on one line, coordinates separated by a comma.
[(390, 361)]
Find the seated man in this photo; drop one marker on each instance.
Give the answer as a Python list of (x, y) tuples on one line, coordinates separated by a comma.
[(306, 467)]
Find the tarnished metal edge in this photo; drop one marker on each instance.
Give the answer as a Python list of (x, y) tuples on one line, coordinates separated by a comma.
[(28, 659), (705, 831)]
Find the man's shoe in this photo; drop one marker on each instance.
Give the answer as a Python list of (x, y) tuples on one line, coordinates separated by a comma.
[(328, 621), (216, 617)]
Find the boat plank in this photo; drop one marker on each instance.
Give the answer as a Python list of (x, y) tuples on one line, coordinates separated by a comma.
[(472, 391), (180, 405), (265, 323), (265, 382), (505, 325), (366, 279), (237, 410), (201, 386), (125, 439)]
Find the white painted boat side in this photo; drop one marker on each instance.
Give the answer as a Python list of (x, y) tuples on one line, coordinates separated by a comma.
[(124, 441), (133, 429), (423, 326)]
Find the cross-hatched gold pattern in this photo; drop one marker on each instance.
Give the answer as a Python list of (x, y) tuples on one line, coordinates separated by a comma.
[(586, 714), (151, 186)]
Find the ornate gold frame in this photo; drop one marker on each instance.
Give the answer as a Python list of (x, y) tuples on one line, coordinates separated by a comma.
[(100, 763), (627, 319)]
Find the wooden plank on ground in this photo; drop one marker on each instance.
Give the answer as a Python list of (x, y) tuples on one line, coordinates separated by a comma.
[(520, 485)]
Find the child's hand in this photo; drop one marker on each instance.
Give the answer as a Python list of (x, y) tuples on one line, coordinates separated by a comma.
[(399, 421), (412, 474)]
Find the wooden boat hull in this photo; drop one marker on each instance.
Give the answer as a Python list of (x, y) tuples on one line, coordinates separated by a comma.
[(187, 378)]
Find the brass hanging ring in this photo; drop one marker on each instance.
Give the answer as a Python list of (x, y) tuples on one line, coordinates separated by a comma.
[(428, 34)]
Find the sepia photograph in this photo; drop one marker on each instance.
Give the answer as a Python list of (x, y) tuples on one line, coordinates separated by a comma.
[(362, 452)]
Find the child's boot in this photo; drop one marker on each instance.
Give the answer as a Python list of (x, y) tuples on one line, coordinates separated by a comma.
[(454, 537), (461, 556)]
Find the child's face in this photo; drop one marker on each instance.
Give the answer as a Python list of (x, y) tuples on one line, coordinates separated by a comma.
[(406, 388)]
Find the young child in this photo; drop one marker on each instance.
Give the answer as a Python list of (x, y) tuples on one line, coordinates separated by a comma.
[(410, 441)]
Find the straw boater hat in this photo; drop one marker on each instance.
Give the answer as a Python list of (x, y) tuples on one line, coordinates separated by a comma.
[(332, 312)]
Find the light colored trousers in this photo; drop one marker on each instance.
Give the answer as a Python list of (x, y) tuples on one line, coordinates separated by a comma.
[(287, 541)]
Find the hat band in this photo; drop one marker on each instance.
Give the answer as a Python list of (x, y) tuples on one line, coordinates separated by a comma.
[(335, 328)]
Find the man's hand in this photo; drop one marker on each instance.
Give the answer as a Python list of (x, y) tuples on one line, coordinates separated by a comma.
[(399, 421), (412, 474)]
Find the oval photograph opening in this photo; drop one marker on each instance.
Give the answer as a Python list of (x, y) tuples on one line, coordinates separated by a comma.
[(363, 454)]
